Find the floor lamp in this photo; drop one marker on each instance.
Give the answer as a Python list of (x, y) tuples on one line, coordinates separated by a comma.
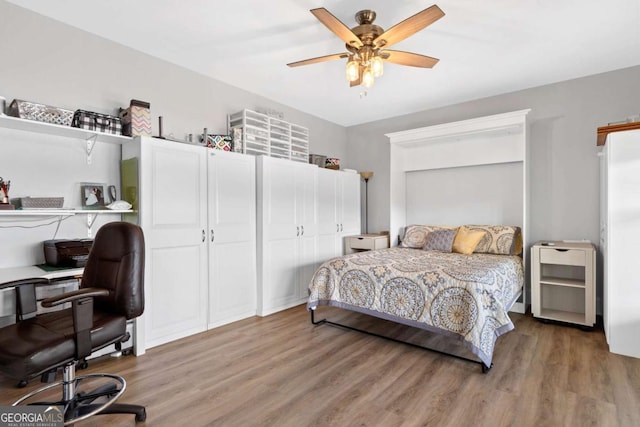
[(366, 175)]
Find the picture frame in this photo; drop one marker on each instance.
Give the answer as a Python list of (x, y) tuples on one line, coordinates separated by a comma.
[(92, 195)]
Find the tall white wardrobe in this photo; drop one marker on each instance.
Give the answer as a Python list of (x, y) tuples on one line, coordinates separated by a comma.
[(197, 209), (230, 235), (304, 212), (619, 235)]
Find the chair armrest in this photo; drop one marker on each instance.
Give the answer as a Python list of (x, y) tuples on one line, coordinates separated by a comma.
[(73, 296), (37, 281)]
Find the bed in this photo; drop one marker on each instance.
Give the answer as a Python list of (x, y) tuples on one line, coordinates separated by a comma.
[(462, 295)]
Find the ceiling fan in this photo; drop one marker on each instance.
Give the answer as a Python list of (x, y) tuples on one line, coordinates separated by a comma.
[(367, 44)]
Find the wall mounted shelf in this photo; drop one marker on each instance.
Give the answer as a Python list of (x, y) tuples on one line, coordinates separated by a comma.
[(59, 212), (90, 137)]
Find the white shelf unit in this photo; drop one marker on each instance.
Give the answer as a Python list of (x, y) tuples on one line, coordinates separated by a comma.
[(269, 136), (299, 143), (255, 131), (279, 139), (90, 137), (563, 282), (57, 212)]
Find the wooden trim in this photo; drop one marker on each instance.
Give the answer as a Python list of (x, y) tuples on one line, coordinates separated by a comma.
[(606, 130)]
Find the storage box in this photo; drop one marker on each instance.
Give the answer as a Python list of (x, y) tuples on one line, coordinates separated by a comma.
[(67, 253), (40, 112), (332, 163), (90, 120), (236, 140), (40, 202), (136, 120), (219, 142), (317, 159)]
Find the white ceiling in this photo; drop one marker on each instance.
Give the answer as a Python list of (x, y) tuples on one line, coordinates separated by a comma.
[(485, 47)]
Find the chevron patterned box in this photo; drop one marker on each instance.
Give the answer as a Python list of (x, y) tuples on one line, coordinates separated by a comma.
[(219, 142), (136, 120)]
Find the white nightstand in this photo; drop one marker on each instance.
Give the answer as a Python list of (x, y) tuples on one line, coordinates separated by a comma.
[(365, 242), (563, 282)]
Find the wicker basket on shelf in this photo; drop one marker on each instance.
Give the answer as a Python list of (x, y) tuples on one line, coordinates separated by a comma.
[(41, 202), (40, 112)]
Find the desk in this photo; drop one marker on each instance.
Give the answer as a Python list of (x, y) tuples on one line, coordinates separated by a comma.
[(8, 295), (28, 272)]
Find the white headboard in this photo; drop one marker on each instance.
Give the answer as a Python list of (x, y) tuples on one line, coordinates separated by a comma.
[(491, 140)]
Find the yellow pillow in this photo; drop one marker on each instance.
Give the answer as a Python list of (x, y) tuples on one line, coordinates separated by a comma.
[(466, 240)]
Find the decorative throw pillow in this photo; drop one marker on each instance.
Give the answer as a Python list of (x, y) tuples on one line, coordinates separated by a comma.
[(466, 240), (499, 239), (440, 240), (415, 236)]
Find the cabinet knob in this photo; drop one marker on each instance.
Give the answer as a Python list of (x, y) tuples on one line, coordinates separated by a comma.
[(204, 235), (297, 231), (302, 228), (212, 235)]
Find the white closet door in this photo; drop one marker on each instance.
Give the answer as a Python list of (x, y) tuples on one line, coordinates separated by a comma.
[(307, 220), (623, 286), (278, 253), (232, 237), (174, 217), (350, 203), (328, 243)]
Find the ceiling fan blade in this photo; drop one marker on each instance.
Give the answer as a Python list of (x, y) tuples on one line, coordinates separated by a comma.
[(318, 59), (409, 26), (337, 27), (408, 58)]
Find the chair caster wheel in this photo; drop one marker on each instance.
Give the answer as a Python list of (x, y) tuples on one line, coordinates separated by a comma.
[(22, 384), (141, 415)]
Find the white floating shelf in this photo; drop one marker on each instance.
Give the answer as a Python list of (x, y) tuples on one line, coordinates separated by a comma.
[(59, 212), (9, 122)]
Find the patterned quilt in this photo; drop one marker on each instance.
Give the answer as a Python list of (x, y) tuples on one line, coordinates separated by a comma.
[(467, 296)]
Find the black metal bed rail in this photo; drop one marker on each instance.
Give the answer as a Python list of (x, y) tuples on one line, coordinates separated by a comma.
[(485, 368)]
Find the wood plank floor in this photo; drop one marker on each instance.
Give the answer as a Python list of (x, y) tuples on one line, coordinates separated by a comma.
[(283, 371)]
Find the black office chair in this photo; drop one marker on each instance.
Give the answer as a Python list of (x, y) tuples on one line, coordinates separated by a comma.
[(111, 292)]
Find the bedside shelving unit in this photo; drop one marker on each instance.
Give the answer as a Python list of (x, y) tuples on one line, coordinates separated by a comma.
[(563, 282)]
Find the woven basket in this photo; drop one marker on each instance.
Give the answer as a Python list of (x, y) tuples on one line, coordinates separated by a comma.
[(40, 112), (41, 202)]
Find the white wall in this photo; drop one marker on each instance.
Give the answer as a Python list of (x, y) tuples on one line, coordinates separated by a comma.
[(45, 61)]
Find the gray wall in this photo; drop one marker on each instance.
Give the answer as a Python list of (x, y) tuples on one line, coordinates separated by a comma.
[(487, 194), (45, 61), (564, 192)]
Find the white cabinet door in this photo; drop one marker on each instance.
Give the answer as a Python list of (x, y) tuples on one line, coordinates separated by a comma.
[(328, 242), (338, 197), (232, 237), (278, 235), (307, 220), (622, 298), (173, 215), (350, 203), (287, 228)]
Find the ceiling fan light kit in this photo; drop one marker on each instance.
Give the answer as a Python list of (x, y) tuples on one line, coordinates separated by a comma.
[(367, 44)]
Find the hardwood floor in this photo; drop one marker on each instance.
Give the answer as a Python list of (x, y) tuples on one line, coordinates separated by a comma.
[(283, 371)]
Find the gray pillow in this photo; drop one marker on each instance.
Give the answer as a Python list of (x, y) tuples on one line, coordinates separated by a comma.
[(440, 240)]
